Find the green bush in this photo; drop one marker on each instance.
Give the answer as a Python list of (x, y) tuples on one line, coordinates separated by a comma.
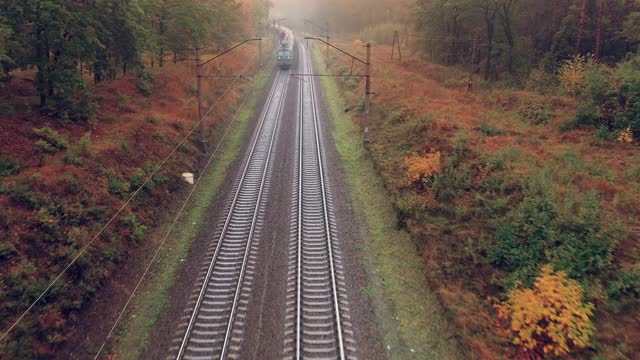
[(24, 195), (611, 99), (50, 140), (119, 187), (489, 129), (587, 115), (152, 120), (81, 148), (624, 290), (8, 167), (80, 108), (534, 113), (542, 82), (138, 230), (144, 84), (6, 250), (543, 230), (604, 133)]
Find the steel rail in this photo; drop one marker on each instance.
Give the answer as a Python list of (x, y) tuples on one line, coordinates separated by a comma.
[(183, 346), (255, 216), (307, 66)]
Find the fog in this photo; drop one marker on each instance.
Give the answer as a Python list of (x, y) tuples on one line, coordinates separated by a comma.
[(342, 15), (294, 11)]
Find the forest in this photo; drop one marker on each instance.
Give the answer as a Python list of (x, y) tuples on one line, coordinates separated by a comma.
[(72, 43), (80, 82)]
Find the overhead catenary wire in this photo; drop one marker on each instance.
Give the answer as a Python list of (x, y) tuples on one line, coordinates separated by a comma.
[(175, 221), (84, 249)]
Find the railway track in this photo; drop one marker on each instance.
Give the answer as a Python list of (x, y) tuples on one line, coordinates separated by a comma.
[(317, 323), (214, 319), (317, 320)]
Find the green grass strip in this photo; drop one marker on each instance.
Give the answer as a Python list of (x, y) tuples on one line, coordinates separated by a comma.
[(408, 312), (132, 337)]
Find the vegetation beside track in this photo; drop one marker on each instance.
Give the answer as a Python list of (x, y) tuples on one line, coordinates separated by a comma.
[(408, 312), (496, 185)]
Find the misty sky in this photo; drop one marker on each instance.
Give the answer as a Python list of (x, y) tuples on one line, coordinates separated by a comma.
[(294, 10)]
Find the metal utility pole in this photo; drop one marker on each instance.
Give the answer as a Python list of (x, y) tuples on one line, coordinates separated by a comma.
[(199, 65), (367, 99), (474, 54), (327, 60), (367, 76), (203, 132), (396, 40)]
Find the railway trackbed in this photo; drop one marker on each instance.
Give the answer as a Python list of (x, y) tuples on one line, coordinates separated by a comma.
[(214, 318), (318, 325)]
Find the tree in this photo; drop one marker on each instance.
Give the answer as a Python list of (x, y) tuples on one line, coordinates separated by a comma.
[(583, 15), (6, 63), (506, 9), (489, 10)]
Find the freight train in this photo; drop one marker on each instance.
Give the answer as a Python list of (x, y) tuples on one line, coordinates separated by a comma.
[(285, 51)]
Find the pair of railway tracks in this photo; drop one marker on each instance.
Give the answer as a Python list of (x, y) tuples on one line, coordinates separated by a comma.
[(317, 322)]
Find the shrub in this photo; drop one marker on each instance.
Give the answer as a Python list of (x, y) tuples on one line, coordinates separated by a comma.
[(144, 84), (587, 114), (611, 98), (489, 129), (152, 120), (23, 194), (422, 168), (550, 318), (119, 187), (82, 107), (395, 117), (81, 148), (137, 179), (603, 133), (534, 113), (50, 140), (626, 136), (573, 74), (544, 230), (624, 290), (6, 250), (8, 167), (138, 230), (542, 81)]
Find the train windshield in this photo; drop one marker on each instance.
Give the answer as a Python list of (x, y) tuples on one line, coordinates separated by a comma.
[(284, 55)]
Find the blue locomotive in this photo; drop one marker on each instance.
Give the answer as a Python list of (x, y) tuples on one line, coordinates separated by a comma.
[(286, 53)]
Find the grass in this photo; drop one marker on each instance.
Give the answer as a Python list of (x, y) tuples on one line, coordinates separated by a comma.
[(408, 312), (132, 336)]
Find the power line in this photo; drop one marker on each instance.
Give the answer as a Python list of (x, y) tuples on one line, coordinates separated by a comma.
[(129, 200)]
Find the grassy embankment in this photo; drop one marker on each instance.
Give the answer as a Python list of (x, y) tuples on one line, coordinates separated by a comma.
[(145, 309), (408, 312)]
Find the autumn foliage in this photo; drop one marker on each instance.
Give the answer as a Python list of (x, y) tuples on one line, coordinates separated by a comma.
[(551, 318), (421, 167), (574, 72)]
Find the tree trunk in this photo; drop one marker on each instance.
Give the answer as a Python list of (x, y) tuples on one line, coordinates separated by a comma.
[(490, 17), (583, 15), (599, 38), (41, 65), (508, 32)]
